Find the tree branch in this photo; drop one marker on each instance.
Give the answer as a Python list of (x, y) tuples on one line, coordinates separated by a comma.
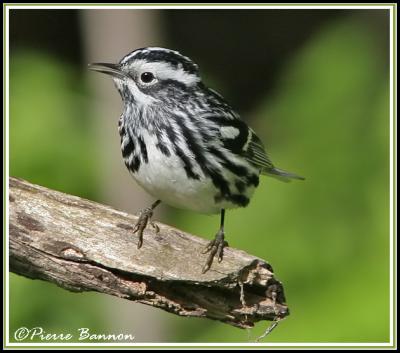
[(85, 246)]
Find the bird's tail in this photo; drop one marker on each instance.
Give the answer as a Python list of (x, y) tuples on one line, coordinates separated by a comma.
[(281, 175)]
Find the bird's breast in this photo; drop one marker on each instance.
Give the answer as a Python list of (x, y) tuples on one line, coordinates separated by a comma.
[(159, 170), (169, 171)]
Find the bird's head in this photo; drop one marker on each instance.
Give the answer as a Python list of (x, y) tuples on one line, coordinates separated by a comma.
[(150, 75)]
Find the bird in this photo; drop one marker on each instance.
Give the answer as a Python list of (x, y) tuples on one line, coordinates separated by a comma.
[(182, 142)]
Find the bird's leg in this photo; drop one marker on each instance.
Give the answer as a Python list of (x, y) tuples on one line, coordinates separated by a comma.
[(144, 217), (216, 246)]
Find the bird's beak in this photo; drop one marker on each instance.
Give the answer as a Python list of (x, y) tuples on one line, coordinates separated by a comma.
[(108, 69)]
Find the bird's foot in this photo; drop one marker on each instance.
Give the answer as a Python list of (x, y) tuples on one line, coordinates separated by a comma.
[(144, 219), (216, 248)]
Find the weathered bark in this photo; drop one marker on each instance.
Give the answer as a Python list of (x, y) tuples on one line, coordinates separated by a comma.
[(85, 246)]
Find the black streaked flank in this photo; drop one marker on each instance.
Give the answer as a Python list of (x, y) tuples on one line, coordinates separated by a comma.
[(187, 164), (161, 145), (239, 200), (253, 179), (218, 180), (143, 149), (221, 183), (163, 149), (128, 148), (236, 169), (192, 143), (201, 158), (171, 133), (240, 185), (134, 165)]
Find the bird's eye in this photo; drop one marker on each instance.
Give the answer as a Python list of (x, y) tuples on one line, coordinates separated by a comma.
[(147, 77)]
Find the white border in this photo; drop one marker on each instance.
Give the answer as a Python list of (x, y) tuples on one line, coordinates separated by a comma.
[(6, 8)]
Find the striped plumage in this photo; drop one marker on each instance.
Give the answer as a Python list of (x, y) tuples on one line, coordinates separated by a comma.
[(180, 140)]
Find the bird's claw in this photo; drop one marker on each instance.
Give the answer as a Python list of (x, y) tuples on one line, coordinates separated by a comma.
[(214, 247), (141, 224), (208, 247)]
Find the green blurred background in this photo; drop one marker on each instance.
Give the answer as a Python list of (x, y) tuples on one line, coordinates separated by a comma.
[(314, 84)]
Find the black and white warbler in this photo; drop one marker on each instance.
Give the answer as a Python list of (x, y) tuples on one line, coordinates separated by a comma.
[(182, 142)]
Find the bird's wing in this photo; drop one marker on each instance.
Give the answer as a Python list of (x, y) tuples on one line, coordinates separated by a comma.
[(257, 155), (241, 140)]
